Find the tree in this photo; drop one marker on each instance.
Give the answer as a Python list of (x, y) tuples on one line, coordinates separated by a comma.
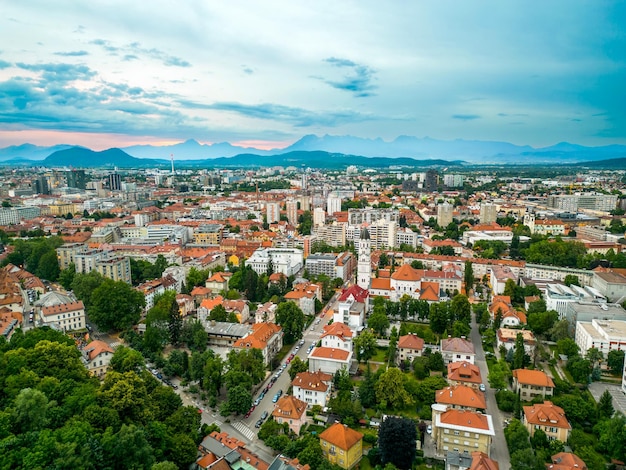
[(365, 345), (129, 445), (605, 405), (378, 322), (526, 460), (390, 391), (31, 409), (296, 366), (66, 276), (239, 400), (520, 353), (116, 305), (165, 465), (290, 317), (175, 323), (84, 285), (396, 440), (612, 435), (460, 309), (218, 313), (568, 347), (517, 436), (615, 361), (127, 360), (468, 277), (571, 280)]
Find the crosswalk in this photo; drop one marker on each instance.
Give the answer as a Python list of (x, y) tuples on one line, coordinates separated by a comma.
[(243, 429)]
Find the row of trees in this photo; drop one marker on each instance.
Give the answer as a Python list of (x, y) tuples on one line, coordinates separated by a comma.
[(37, 256)]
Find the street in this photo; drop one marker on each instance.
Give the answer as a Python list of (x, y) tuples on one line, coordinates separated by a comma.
[(499, 449)]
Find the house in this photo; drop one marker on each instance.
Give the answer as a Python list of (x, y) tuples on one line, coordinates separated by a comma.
[(481, 461), (532, 383), (268, 337), (461, 397), (509, 317), (408, 348), (304, 299), (353, 305), (199, 293), (329, 360), (461, 430), (312, 387), (474, 461), (498, 275), (185, 303), (97, 357), (549, 418), (342, 445), (61, 311), (9, 322), (464, 373), (265, 313), (281, 462), (218, 282), (507, 336), (337, 335), (288, 409), (566, 461), (457, 349)]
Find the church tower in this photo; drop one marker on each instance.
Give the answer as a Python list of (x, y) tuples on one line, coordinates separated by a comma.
[(364, 267)]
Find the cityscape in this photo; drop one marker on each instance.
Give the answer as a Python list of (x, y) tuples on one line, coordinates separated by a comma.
[(312, 236)]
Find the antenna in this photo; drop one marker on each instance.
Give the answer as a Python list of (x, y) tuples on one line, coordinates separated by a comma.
[(172, 160)]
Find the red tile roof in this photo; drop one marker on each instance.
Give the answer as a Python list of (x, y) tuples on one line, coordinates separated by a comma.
[(411, 341), (341, 436), (312, 381), (546, 413), (533, 377)]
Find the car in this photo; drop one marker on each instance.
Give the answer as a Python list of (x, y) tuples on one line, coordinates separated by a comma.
[(301, 342), (247, 415), (297, 348), (429, 429), (266, 389), (262, 395), (279, 393), (482, 387), (275, 398), (159, 376), (258, 423), (257, 401), (264, 415)]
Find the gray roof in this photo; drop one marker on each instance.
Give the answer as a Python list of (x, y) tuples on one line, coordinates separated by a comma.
[(52, 298)]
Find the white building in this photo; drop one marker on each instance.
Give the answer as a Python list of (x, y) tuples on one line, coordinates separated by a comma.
[(313, 387), (272, 212), (97, 357), (288, 261), (364, 266), (319, 216), (488, 213), (604, 335), (444, 214), (333, 204), (61, 312)]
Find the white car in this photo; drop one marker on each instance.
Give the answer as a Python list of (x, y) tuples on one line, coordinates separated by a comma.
[(482, 387), (429, 429)]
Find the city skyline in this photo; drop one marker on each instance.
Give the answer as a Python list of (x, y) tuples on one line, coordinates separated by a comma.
[(263, 75)]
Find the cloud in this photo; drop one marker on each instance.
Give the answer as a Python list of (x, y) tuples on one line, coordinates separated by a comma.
[(4, 64), (247, 70), (134, 51), (59, 72), (298, 117), (359, 81), (465, 117), (72, 53)]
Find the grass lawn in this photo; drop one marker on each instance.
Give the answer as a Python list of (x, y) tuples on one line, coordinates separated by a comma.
[(365, 464), (380, 355)]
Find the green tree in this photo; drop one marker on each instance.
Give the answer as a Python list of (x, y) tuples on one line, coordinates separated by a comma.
[(239, 400), (605, 405), (517, 436), (519, 354), (396, 440), (365, 345), (127, 360), (66, 276), (468, 277), (175, 323), (128, 448), (116, 305), (84, 285), (460, 309), (378, 322), (612, 435), (568, 347), (571, 280), (296, 366), (525, 459), (31, 410), (390, 391), (291, 319), (615, 361)]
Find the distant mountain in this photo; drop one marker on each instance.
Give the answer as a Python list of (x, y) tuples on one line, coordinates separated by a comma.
[(28, 152), (190, 150), (86, 158), (610, 164)]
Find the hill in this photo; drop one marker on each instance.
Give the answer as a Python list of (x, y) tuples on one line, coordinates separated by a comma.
[(86, 158)]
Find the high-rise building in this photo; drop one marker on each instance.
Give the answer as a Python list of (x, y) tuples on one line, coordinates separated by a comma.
[(444, 214), (333, 205), (488, 213), (292, 212), (319, 217), (115, 182), (41, 185), (272, 212), (431, 181), (76, 179)]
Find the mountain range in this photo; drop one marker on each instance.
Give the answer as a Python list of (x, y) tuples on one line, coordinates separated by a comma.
[(404, 150)]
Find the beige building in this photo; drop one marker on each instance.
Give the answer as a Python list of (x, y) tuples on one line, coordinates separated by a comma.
[(97, 357), (290, 410), (461, 430), (532, 383), (312, 387), (549, 418), (117, 269), (409, 347), (67, 252)]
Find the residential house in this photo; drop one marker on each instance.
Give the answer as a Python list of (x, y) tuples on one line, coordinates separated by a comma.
[(97, 357), (337, 335), (408, 348), (507, 336), (268, 337), (457, 349), (532, 383), (218, 282), (464, 373), (265, 313), (312, 387), (281, 462), (566, 461), (288, 409), (329, 360), (549, 418), (199, 293), (498, 275), (185, 304), (9, 322), (509, 317), (342, 445), (461, 430), (461, 397), (353, 305)]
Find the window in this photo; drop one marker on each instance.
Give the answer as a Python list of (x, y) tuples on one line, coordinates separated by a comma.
[(456, 433)]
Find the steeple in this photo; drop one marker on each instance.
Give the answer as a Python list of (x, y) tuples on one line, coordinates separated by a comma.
[(364, 267)]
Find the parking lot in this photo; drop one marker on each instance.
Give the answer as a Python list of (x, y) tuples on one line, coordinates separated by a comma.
[(619, 399)]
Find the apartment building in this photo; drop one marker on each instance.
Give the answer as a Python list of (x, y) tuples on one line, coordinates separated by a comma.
[(532, 383), (549, 418)]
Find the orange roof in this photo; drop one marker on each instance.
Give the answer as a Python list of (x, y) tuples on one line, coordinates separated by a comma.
[(464, 372), (63, 308), (430, 291), (337, 329), (330, 353), (407, 273), (97, 347), (533, 377), (466, 419), (544, 413), (566, 461), (341, 436), (312, 380), (383, 284), (481, 461), (258, 338), (411, 341), (289, 407), (207, 460), (226, 440), (461, 395), (200, 290), (210, 304)]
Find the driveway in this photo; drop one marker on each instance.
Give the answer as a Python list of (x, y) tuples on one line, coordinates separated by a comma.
[(619, 399), (499, 449)]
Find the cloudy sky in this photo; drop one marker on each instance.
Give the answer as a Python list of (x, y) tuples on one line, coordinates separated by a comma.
[(265, 73)]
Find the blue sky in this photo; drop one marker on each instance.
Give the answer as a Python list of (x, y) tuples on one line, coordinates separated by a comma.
[(115, 73)]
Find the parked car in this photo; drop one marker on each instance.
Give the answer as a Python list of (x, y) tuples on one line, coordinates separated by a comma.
[(429, 429), (264, 415), (301, 343), (258, 423), (482, 387)]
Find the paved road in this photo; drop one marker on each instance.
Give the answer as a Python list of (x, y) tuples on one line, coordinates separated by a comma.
[(499, 449)]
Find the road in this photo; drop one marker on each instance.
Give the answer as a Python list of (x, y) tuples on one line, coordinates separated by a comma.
[(499, 449)]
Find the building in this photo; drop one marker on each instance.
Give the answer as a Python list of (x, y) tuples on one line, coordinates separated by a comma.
[(408, 348), (529, 384), (498, 276), (265, 313), (342, 445), (208, 235), (603, 335), (292, 212), (117, 269), (60, 311), (312, 387), (461, 397), (329, 360), (272, 212), (353, 304), (549, 418), (333, 204), (488, 213), (444, 214), (587, 311), (14, 215), (566, 461), (267, 337), (610, 284), (333, 234), (507, 336), (364, 266), (288, 261), (288, 409), (464, 373), (587, 201), (41, 185), (224, 334), (337, 335), (76, 179), (461, 430), (218, 282), (67, 252), (115, 182), (457, 350), (97, 357)]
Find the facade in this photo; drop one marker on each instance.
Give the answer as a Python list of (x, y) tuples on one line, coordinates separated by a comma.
[(610, 284), (364, 267), (549, 418), (329, 360), (604, 335), (14, 215), (97, 357), (352, 307), (588, 201), (488, 213), (532, 383), (408, 348), (268, 337), (272, 212), (117, 269), (444, 214), (342, 445), (67, 252), (506, 337), (313, 388), (457, 350), (461, 397), (288, 261), (290, 410), (462, 431), (464, 373), (587, 311)]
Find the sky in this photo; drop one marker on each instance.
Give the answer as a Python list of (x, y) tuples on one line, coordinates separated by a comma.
[(265, 73)]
